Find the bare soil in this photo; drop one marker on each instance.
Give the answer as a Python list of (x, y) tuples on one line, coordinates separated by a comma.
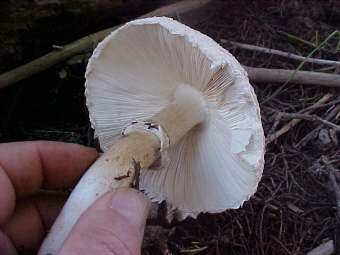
[(294, 209)]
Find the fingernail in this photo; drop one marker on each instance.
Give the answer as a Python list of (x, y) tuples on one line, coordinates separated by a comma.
[(132, 204)]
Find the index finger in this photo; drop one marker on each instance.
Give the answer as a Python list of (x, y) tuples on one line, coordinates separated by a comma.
[(42, 164)]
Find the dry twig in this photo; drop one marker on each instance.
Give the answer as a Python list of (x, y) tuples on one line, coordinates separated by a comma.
[(314, 132), (301, 77), (194, 251), (311, 117), (282, 53), (294, 122), (332, 103)]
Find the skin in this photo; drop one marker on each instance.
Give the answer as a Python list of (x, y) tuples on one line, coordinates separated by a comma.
[(114, 224)]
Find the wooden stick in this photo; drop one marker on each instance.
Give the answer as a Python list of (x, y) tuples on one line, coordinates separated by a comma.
[(300, 77), (57, 56), (315, 131), (332, 103), (294, 122), (282, 53), (194, 251), (311, 117)]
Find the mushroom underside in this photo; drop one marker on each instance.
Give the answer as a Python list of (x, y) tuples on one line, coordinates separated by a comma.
[(218, 164)]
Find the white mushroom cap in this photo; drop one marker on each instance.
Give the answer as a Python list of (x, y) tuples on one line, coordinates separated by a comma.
[(134, 73)]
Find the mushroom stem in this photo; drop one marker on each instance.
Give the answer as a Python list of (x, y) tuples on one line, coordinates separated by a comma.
[(187, 110), (116, 167)]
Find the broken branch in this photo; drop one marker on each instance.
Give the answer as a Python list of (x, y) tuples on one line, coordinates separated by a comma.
[(282, 53), (301, 77), (310, 117), (294, 122), (314, 132)]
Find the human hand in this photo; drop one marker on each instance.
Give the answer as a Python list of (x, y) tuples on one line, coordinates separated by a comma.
[(114, 224)]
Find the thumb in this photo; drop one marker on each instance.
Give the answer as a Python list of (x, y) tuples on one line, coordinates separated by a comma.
[(114, 224)]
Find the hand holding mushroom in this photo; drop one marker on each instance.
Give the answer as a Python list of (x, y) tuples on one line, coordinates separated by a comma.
[(171, 105), (26, 212)]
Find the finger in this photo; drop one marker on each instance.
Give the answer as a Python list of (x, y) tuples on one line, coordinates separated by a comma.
[(113, 225), (32, 218), (42, 164), (6, 246), (7, 197)]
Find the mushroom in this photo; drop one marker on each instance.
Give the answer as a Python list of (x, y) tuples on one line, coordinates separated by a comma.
[(190, 119)]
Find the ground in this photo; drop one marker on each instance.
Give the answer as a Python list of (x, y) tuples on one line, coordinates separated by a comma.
[(294, 209)]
